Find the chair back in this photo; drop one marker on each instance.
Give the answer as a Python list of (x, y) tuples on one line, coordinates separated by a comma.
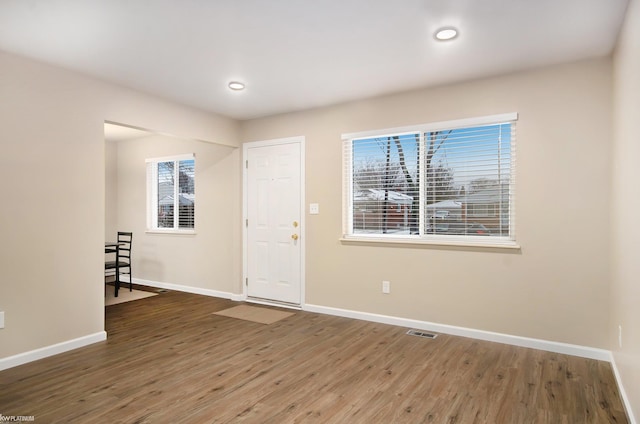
[(124, 250)]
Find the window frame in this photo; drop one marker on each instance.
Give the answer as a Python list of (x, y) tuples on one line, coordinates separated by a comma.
[(152, 195), (348, 235)]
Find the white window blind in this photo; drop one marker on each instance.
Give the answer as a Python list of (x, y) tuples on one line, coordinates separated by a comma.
[(445, 181), (171, 193)]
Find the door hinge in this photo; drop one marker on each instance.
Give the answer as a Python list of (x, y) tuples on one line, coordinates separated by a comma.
[(246, 222), (246, 164), (246, 281)]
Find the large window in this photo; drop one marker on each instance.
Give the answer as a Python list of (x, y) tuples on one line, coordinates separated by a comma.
[(450, 181), (171, 193)]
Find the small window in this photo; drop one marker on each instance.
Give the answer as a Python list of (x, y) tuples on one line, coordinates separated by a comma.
[(451, 181), (171, 195), (479, 210)]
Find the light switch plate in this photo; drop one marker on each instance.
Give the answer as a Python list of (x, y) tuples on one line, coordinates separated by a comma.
[(1, 319), (314, 208)]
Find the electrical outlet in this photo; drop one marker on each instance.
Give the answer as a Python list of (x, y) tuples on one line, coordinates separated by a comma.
[(386, 287), (620, 336), (314, 209), (1, 319)]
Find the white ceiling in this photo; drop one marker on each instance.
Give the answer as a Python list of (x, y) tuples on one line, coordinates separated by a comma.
[(298, 54)]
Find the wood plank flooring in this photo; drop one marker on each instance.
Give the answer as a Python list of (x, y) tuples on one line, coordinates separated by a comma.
[(169, 359)]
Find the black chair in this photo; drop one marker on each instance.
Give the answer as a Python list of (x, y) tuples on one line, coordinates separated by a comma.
[(122, 263)]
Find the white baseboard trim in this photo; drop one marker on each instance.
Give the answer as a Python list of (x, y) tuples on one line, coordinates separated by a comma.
[(189, 289), (550, 346), (623, 393), (565, 348), (43, 352)]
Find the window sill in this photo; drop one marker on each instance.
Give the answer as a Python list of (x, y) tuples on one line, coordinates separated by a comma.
[(172, 232), (506, 245)]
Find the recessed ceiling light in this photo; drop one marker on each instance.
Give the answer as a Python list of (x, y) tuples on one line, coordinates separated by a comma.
[(236, 85), (445, 34)]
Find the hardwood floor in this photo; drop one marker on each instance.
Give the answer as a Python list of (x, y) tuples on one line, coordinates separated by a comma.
[(169, 359)]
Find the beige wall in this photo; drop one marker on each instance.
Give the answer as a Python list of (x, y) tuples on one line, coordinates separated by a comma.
[(625, 249), (210, 259), (52, 164), (556, 287), (111, 190)]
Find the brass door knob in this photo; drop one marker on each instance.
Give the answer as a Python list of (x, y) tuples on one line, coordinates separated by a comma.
[(294, 236)]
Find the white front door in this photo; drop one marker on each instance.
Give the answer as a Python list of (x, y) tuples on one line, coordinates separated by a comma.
[(273, 213)]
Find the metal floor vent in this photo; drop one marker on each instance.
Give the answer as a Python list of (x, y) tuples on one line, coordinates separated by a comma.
[(162, 291), (422, 334)]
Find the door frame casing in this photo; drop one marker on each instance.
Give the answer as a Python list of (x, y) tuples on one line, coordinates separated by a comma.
[(300, 140)]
